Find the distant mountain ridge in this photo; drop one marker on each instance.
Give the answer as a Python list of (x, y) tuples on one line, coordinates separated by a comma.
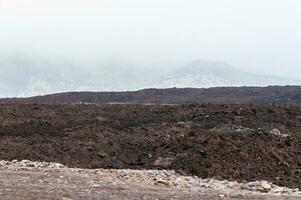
[(42, 76), (203, 74)]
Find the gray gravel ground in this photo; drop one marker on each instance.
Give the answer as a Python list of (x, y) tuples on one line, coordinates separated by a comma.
[(39, 180)]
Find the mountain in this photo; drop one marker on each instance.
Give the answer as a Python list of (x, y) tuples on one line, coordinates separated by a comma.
[(202, 74), (24, 76), (28, 76)]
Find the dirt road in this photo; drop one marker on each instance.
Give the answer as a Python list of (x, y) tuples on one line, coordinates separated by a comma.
[(31, 181)]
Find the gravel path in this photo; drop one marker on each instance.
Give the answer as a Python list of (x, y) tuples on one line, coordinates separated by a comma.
[(35, 180)]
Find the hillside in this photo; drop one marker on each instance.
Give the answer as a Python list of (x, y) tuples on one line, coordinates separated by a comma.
[(204, 74), (46, 75)]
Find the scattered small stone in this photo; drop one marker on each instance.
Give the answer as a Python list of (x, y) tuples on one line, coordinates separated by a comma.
[(277, 132), (160, 178), (162, 182), (163, 162), (26, 164), (186, 124)]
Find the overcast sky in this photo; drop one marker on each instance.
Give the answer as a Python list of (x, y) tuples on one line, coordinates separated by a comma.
[(255, 35)]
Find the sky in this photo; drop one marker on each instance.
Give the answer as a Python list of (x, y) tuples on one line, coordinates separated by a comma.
[(256, 36)]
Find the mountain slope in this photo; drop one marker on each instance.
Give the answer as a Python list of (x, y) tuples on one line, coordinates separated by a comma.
[(28, 76), (24, 76), (202, 74)]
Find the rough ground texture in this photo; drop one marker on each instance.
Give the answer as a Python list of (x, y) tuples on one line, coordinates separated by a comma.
[(272, 94), (34, 180), (233, 142)]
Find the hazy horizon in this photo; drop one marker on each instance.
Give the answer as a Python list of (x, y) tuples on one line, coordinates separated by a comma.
[(113, 37)]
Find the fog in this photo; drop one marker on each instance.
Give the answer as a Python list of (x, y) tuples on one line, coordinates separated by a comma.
[(255, 36)]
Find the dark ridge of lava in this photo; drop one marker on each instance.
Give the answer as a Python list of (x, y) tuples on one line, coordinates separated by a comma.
[(183, 96)]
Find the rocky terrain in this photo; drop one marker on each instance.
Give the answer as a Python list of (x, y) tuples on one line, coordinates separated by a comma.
[(226, 142), (222, 95), (32, 180)]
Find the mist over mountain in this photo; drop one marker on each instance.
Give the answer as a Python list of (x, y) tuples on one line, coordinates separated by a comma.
[(41, 75), (26, 76), (54, 46), (23, 76), (204, 74)]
